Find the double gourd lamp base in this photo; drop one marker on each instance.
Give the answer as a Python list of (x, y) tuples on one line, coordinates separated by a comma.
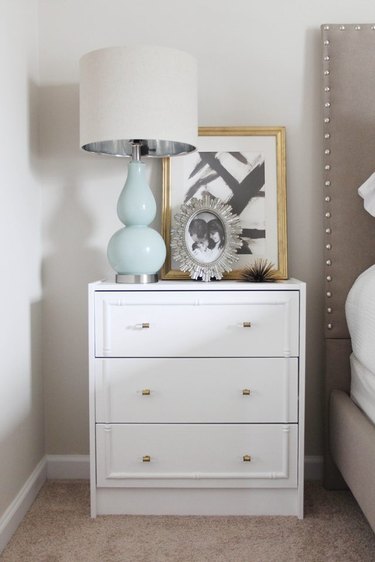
[(136, 251), (138, 101)]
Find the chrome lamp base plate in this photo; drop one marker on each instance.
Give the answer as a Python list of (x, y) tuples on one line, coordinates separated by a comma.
[(142, 278)]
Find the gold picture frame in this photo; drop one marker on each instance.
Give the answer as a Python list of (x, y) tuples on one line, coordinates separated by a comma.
[(245, 167)]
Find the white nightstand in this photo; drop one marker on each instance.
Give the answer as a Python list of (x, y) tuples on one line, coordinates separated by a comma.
[(197, 398)]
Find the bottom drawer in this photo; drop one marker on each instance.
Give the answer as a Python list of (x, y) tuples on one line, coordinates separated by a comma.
[(196, 455)]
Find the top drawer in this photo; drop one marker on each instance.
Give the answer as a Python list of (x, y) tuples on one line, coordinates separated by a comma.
[(196, 323)]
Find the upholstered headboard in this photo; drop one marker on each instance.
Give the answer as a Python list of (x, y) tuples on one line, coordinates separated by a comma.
[(349, 159)]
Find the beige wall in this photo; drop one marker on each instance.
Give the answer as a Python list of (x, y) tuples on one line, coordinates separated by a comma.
[(21, 390), (259, 64)]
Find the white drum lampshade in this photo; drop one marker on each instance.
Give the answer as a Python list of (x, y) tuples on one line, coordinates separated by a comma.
[(138, 101)]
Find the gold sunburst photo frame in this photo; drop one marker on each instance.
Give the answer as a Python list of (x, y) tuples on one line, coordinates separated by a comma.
[(244, 167)]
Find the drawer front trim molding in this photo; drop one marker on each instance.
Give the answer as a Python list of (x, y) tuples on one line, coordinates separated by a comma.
[(110, 474)]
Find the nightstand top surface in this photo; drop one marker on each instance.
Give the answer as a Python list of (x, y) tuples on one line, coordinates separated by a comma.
[(186, 285)]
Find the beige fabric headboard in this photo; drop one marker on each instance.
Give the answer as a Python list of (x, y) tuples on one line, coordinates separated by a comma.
[(349, 159)]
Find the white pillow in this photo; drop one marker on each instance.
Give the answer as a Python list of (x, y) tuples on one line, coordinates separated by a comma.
[(367, 191), (360, 316)]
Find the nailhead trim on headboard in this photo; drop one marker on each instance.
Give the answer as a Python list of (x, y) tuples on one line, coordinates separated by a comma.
[(327, 163)]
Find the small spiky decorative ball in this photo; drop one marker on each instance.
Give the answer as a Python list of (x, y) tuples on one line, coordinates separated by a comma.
[(261, 271)]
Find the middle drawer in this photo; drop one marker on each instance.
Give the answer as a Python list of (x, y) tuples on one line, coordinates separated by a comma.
[(212, 390)]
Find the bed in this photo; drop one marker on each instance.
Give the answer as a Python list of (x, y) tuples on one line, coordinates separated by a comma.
[(348, 53)]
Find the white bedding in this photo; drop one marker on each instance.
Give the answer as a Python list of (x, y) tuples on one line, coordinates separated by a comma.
[(367, 191), (362, 387), (360, 316)]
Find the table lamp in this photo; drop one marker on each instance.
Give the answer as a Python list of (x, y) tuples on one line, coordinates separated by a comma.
[(138, 101)]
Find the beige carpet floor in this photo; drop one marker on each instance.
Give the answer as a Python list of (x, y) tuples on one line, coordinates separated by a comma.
[(58, 528)]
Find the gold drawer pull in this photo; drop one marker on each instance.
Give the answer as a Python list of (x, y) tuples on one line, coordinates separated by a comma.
[(145, 325), (146, 458), (146, 392), (246, 324), (246, 392), (246, 458)]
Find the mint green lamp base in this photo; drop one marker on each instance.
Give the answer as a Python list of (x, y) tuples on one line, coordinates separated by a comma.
[(136, 253)]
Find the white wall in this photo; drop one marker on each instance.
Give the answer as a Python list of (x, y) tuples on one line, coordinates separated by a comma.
[(259, 64), (21, 389)]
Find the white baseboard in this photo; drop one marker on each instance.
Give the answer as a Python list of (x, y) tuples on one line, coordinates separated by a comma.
[(68, 467), (71, 467), (13, 516), (313, 467)]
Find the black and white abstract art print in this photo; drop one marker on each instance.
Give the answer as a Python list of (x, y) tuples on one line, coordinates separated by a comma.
[(237, 178)]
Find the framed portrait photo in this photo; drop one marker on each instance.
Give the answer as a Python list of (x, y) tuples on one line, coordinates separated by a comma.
[(243, 167), (205, 238)]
